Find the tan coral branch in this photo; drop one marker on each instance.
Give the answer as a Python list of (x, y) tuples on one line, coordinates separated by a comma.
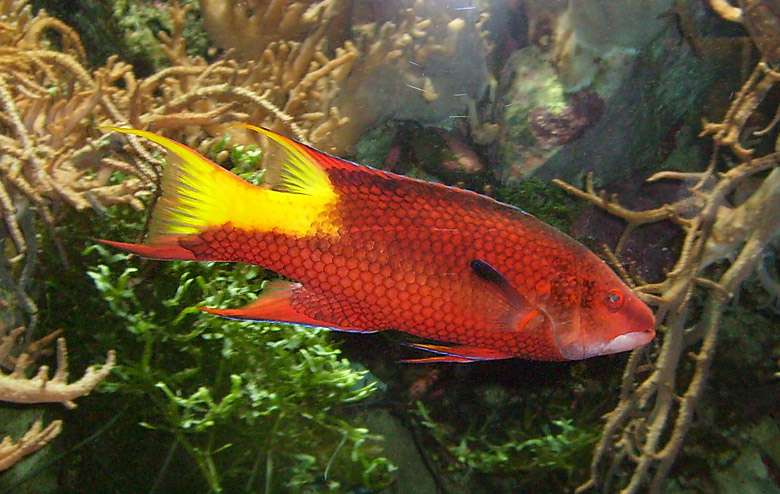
[(33, 440), (726, 10), (646, 429), (17, 388)]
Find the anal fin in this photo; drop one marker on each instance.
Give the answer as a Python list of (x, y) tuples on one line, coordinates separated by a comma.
[(275, 304), (462, 353)]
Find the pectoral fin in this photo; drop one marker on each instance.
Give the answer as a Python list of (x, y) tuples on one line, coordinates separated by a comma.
[(518, 313)]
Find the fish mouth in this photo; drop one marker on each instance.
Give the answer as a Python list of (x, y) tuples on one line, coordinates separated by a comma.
[(628, 341), (622, 343)]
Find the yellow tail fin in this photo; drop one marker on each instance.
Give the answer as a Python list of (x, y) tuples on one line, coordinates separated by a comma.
[(198, 194)]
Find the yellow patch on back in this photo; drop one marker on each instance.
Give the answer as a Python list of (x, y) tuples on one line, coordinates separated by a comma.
[(198, 194)]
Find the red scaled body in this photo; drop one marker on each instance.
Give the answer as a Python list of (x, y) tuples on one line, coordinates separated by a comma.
[(382, 251)]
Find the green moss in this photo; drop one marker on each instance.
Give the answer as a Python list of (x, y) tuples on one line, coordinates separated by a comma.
[(430, 149), (419, 173), (375, 144), (544, 200), (141, 22)]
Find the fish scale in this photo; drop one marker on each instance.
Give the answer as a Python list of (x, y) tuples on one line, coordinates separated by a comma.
[(389, 284), (370, 250)]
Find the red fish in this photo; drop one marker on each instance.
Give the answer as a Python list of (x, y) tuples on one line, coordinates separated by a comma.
[(371, 250)]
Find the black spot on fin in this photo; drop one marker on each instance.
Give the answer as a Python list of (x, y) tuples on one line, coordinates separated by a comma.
[(503, 288), (488, 273)]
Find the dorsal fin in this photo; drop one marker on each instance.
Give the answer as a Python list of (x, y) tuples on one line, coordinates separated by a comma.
[(295, 167)]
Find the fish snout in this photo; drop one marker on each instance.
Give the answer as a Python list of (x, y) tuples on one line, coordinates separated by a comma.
[(605, 333), (644, 319), (628, 341), (640, 322)]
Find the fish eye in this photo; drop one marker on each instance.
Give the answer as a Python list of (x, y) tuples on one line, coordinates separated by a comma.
[(614, 299)]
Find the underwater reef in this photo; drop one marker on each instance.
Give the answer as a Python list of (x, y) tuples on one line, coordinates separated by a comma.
[(646, 129)]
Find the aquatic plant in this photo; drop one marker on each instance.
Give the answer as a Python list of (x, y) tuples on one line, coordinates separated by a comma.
[(725, 240), (537, 451), (251, 403), (501, 433), (553, 449)]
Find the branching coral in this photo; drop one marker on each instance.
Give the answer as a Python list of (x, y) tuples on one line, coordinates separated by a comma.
[(249, 27), (17, 387), (46, 96), (647, 428), (761, 19), (425, 63), (33, 440), (420, 62), (50, 152), (289, 85), (47, 155)]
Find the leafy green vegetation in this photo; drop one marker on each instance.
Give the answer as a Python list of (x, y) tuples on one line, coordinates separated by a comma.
[(539, 452), (552, 450), (254, 403), (236, 394)]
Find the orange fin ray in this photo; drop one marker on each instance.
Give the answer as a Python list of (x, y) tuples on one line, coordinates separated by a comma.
[(442, 358), (462, 353), (161, 251), (275, 304)]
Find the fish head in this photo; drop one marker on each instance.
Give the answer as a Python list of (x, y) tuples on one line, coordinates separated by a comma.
[(608, 317)]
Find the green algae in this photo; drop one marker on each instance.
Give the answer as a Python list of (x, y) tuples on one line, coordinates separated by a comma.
[(544, 200)]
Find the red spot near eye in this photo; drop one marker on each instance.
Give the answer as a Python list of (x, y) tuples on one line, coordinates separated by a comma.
[(614, 299)]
